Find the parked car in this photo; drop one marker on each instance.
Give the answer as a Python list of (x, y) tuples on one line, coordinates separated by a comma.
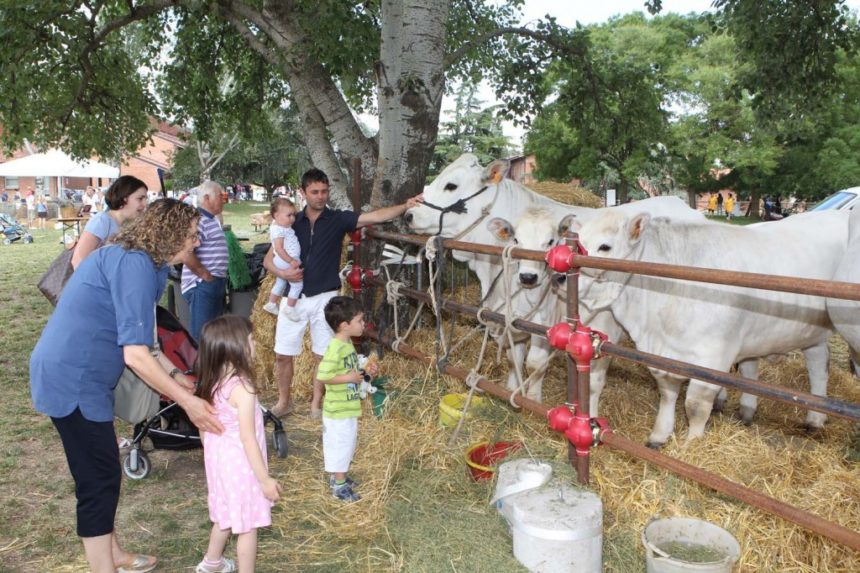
[(844, 199)]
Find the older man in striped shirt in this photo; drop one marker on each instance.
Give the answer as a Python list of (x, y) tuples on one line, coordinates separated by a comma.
[(204, 274)]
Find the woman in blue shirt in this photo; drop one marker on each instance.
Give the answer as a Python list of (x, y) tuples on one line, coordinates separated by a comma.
[(105, 321), (126, 200)]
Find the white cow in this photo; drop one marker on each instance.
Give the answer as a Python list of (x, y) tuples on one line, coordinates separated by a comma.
[(485, 194), (539, 228), (714, 325), (845, 314)]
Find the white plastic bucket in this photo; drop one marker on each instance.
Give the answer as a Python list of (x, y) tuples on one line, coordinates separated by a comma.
[(516, 477), (699, 546), (557, 529)]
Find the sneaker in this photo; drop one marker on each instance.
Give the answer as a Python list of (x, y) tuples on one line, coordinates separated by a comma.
[(292, 314), (226, 566), (271, 308), (344, 492), (349, 481)]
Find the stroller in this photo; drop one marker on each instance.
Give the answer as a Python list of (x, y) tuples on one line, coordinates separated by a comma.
[(169, 427), (13, 231)]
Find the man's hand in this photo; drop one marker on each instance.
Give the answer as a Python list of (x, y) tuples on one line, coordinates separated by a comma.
[(415, 201), (289, 275), (202, 414)]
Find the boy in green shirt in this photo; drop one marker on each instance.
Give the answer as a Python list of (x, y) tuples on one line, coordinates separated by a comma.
[(339, 371)]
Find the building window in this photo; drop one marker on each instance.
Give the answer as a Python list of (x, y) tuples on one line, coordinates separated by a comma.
[(12, 183)]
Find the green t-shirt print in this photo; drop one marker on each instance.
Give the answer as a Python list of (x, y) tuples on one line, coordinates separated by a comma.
[(341, 400)]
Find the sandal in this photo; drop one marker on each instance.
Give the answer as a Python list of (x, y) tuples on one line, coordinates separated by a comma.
[(281, 412), (138, 564)]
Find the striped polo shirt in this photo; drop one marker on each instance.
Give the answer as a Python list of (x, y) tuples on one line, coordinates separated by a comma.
[(340, 400), (212, 251)]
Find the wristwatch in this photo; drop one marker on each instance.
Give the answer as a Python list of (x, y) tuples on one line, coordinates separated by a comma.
[(174, 372)]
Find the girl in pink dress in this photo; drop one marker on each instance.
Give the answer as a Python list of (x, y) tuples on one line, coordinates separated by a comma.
[(241, 493)]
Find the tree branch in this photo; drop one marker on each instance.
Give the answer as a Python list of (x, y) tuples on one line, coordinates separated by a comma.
[(455, 56)]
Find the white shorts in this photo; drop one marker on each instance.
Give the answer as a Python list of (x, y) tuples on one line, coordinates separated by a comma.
[(339, 438), (289, 334)]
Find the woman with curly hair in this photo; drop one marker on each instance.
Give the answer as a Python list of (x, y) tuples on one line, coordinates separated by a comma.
[(105, 321), (126, 200)]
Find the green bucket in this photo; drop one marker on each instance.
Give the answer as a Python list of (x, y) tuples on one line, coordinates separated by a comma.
[(381, 398)]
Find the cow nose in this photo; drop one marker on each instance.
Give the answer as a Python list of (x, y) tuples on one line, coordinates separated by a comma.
[(409, 217), (528, 279)]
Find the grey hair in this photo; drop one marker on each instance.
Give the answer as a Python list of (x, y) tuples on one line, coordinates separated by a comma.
[(208, 188)]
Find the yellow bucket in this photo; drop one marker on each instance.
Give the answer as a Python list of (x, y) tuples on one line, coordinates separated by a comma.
[(451, 405)]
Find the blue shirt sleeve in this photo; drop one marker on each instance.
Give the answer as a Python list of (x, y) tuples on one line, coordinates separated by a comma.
[(348, 220), (102, 226), (134, 291)]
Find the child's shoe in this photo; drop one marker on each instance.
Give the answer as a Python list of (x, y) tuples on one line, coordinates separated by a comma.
[(291, 313), (344, 492), (225, 566), (271, 308), (349, 481)]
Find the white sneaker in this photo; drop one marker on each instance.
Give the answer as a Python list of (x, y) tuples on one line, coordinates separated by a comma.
[(291, 313), (271, 308), (226, 566)]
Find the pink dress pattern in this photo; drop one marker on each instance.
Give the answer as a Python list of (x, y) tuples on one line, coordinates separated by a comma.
[(235, 499)]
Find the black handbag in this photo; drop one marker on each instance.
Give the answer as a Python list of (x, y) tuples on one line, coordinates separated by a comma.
[(55, 278)]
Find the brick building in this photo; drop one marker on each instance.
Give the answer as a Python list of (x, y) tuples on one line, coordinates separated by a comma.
[(143, 164)]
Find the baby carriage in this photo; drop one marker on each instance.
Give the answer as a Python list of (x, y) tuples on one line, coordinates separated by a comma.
[(12, 231), (169, 428)]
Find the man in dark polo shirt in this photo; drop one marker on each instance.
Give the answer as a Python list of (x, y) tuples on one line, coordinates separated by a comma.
[(320, 231)]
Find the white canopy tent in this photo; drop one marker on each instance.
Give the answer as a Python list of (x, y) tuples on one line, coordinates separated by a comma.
[(55, 163)]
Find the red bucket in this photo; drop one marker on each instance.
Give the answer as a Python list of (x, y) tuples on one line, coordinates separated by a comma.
[(483, 456)]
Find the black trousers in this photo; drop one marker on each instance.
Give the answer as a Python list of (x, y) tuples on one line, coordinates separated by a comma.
[(93, 457)]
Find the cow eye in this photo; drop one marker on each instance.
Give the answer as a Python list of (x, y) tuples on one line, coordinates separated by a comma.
[(450, 187), (604, 248), (515, 241), (550, 243)]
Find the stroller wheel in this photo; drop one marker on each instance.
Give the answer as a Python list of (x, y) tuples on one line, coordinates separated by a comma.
[(279, 441), (7, 241), (136, 464)]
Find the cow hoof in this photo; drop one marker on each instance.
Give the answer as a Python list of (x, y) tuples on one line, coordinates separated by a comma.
[(811, 431), (719, 405), (746, 415), (654, 445)]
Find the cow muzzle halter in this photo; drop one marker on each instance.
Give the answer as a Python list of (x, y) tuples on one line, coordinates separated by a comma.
[(458, 207)]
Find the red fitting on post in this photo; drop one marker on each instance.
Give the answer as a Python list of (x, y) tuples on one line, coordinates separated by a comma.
[(583, 343), (581, 431), (353, 277), (562, 258)]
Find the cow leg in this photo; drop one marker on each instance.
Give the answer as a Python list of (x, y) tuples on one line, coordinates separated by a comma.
[(537, 363), (749, 402), (720, 402), (699, 402), (817, 366), (664, 425), (603, 322)]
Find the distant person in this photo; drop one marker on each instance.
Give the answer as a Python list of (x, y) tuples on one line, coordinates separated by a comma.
[(712, 204), (288, 254), (720, 204), (30, 201), (89, 198), (41, 210), (204, 275), (730, 206), (4, 197), (241, 491), (126, 200)]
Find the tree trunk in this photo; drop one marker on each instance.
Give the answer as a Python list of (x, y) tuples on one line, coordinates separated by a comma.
[(410, 84), (622, 189), (692, 199)]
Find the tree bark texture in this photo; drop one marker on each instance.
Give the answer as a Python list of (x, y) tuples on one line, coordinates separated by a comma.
[(410, 85)]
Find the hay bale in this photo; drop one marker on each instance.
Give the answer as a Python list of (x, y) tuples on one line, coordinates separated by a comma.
[(566, 193)]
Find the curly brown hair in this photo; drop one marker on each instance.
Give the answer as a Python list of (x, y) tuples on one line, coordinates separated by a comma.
[(161, 231)]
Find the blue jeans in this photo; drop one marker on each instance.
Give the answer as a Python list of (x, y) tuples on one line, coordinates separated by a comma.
[(205, 302)]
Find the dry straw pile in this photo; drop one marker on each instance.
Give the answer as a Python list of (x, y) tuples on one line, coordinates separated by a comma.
[(567, 193), (420, 512)]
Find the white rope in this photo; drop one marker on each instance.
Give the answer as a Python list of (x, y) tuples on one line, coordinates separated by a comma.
[(392, 293)]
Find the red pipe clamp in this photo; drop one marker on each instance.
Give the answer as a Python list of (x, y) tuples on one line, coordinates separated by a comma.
[(581, 431), (583, 343), (562, 258)]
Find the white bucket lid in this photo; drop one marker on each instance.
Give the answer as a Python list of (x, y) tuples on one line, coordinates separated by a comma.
[(520, 475), (558, 512)]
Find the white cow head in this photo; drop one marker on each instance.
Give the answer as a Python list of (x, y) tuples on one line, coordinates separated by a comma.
[(462, 180), (610, 235), (535, 230)]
